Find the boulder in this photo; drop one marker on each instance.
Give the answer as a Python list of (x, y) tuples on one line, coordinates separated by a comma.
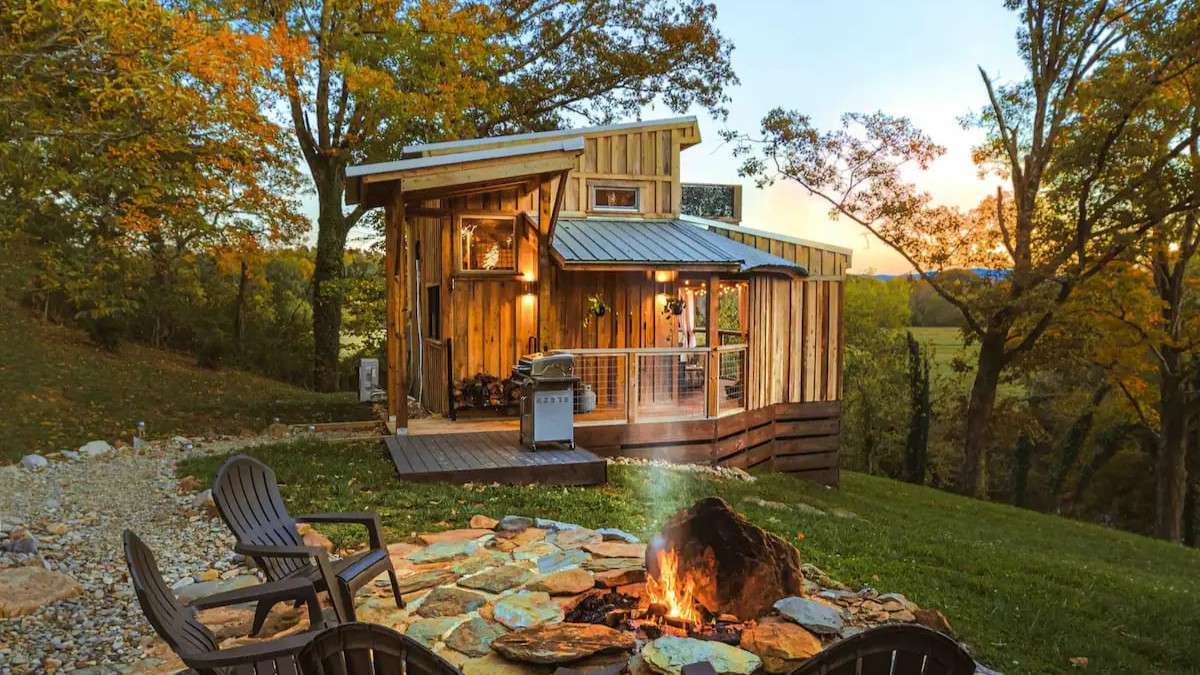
[(744, 568), (483, 522), (498, 579), (562, 643), (24, 589), (95, 449), (524, 609), (813, 615), (565, 582), (474, 637), (34, 462), (781, 646), (449, 601), (669, 654)]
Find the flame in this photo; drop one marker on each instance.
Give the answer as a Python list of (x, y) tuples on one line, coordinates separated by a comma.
[(674, 589)]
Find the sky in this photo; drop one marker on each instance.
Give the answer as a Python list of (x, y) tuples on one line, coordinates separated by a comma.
[(825, 58)]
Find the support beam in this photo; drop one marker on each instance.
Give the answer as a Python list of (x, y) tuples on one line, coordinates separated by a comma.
[(397, 312), (714, 341), (547, 318)]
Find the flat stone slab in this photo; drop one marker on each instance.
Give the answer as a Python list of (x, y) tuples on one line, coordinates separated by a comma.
[(574, 538), (494, 664), (498, 579), (614, 534), (606, 564), (562, 643), (564, 582), (560, 560), (475, 636), (815, 616), (620, 577), (427, 631), (525, 609), (616, 549), (481, 560), (24, 589), (469, 534), (782, 646), (669, 654), (443, 551), (426, 579), (449, 601)]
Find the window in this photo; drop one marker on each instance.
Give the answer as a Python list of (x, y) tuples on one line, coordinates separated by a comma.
[(613, 198), (433, 312), (487, 244)]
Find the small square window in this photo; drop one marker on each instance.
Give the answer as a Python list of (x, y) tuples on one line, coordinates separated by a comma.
[(487, 244), (613, 198)]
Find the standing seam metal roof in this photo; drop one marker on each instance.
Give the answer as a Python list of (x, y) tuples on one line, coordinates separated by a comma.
[(667, 242)]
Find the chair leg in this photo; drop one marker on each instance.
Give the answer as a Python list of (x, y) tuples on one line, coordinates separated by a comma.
[(347, 594), (395, 588), (261, 611)]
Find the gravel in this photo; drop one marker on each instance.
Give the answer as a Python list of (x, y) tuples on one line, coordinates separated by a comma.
[(89, 503)]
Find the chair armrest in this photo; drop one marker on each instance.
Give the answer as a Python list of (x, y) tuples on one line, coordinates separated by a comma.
[(262, 551), (298, 588), (368, 519), (249, 654)]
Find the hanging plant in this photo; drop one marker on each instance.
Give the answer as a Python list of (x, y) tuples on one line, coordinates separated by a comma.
[(674, 305), (596, 308)]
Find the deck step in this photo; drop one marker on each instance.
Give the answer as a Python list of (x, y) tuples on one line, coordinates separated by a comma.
[(490, 457)]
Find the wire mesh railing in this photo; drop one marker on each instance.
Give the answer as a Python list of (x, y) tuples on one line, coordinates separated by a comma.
[(672, 385), (601, 392)]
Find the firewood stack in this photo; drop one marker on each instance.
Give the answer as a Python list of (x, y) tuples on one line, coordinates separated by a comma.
[(487, 392)]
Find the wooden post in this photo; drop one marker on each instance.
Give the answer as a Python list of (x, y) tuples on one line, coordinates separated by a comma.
[(397, 296), (631, 386), (546, 316), (714, 341)]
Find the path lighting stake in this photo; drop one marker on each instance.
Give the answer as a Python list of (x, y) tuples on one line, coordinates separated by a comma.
[(139, 435)]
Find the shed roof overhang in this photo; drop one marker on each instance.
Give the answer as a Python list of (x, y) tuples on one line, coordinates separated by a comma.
[(460, 173)]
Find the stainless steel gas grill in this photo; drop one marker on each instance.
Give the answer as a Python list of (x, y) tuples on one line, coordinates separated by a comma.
[(547, 382)]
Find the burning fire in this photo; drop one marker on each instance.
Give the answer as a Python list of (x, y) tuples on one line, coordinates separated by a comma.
[(674, 589)]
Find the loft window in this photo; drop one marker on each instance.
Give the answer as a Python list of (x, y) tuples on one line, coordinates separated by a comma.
[(433, 308), (487, 244), (614, 198)]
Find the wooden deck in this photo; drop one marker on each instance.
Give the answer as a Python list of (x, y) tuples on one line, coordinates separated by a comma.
[(490, 457)]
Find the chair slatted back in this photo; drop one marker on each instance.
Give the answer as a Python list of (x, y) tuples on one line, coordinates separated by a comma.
[(892, 650), (248, 499), (174, 622), (369, 649)]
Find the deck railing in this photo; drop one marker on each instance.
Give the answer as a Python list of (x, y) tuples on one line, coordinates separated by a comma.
[(662, 383)]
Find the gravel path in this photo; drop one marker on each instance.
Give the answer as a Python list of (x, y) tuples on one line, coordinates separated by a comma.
[(101, 630)]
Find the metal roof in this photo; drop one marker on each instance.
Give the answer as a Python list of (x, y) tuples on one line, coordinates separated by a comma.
[(656, 242), (566, 145), (709, 223), (418, 148)]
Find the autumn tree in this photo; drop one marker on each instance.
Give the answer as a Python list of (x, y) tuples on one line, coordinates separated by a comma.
[(1090, 144), (362, 79)]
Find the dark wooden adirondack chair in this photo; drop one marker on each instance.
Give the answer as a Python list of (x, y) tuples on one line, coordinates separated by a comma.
[(248, 499), (899, 649), (369, 649), (179, 627)]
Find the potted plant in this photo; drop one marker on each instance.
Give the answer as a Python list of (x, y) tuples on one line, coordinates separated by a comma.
[(596, 308), (674, 305)]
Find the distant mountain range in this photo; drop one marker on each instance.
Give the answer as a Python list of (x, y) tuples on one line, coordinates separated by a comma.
[(979, 271)]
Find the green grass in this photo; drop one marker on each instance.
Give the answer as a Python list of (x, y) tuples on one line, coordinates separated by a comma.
[(59, 391), (1027, 591)]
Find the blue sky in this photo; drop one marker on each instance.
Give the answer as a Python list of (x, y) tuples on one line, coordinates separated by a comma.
[(822, 58)]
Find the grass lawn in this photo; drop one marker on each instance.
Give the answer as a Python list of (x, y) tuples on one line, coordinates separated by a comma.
[(1027, 591), (58, 391)]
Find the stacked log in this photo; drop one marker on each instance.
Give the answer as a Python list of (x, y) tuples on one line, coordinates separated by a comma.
[(483, 392)]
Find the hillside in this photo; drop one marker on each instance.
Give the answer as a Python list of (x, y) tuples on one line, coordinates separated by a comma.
[(59, 391)]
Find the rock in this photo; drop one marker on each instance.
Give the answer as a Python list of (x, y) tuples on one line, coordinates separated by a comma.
[(766, 504), (443, 551), (547, 524), (25, 589), (613, 534), (903, 616), (932, 618), (781, 646), (610, 549), (188, 484), (482, 522), (815, 616), (20, 541), (474, 637), (565, 582), (620, 577), (425, 579), (381, 610), (208, 575), (1078, 661), (449, 601), (194, 591), (560, 560), (535, 550), (576, 538), (746, 567), (312, 537), (669, 654), (203, 502), (429, 631), (480, 560), (95, 449), (562, 643), (498, 579), (514, 524), (182, 442), (72, 455), (605, 564), (524, 609), (844, 514), (34, 462), (278, 430), (808, 509), (453, 535), (57, 529), (401, 550), (494, 664)]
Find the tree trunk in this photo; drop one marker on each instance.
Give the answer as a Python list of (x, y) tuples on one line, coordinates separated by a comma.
[(1170, 472), (332, 228), (972, 476), (239, 311)]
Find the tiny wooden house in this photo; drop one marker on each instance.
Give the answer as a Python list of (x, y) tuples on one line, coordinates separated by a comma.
[(696, 339)]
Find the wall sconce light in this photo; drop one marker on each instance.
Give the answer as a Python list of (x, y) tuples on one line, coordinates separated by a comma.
[(527, 287)]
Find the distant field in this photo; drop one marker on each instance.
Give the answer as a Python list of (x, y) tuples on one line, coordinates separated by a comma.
[(945, 345)]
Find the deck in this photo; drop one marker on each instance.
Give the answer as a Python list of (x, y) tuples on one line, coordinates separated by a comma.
[(493, 456)]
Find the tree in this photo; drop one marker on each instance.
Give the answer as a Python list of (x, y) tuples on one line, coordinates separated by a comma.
[(1090, 143), (916, 444), (362, 79)]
